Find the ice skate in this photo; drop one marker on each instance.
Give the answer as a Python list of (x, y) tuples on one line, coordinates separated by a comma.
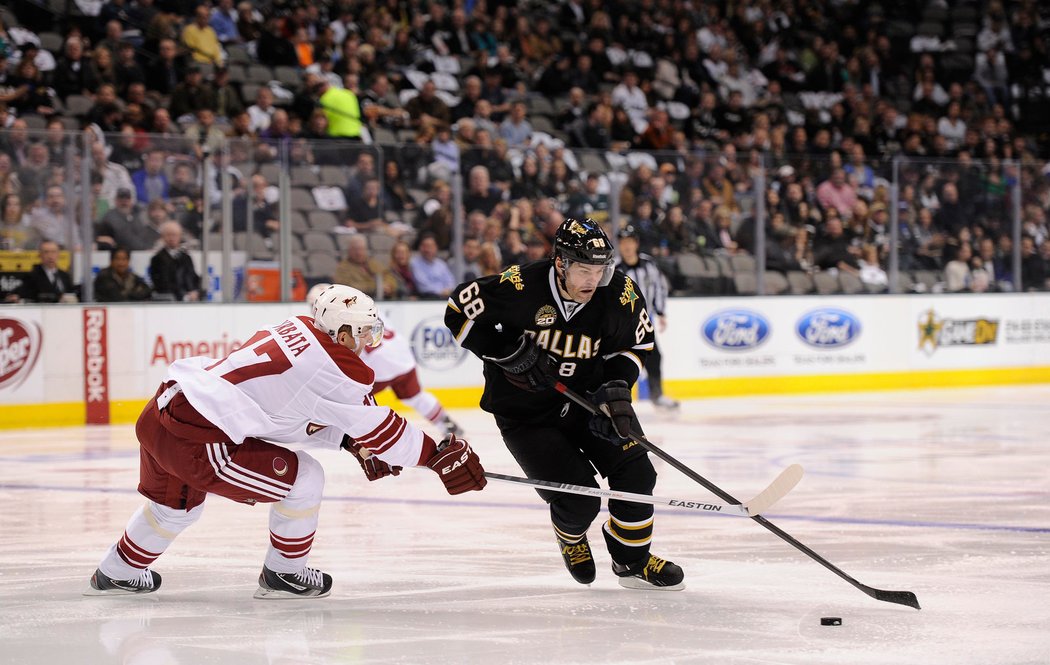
[(578, 559), (452, 428), (307, 583), (655, 573), (103, 585), (665, 402)]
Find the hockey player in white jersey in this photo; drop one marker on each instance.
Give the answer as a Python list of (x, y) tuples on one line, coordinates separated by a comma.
[(394, 366), (215, 425)]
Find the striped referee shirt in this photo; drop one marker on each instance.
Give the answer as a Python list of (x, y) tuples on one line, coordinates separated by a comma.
[(650, 281)]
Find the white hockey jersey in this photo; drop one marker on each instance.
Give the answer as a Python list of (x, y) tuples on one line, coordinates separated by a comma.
[(391, 359), (291, 383)]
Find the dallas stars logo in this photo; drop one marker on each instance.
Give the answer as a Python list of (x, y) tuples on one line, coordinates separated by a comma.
[(577, 228), (929, 330), (629, 296), (936, 332), (512, 275)]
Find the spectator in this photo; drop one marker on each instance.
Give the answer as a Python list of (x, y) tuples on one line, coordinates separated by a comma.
[(25, 91), (957, 274), (165, 72), (363, 213), (122, 226), (151, 182), (73, 73), (1033, 266), (262, 110), (126, 69), (628, 96), (256, 211), (468, 100), (833, 249), (200, 39), (192, 95), (171, 268), (431, 273), (342, 110), (481, 194), (114, 175), (51, 219), (364, 273), (836, 192), (427, 108), (400, 266), (227, 98), (223, 21), (16, 233), (516, 130), (118, 283), (46, 282)]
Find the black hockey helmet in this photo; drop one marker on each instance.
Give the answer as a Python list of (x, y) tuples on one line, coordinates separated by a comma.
[(584, 241), (628, 232)]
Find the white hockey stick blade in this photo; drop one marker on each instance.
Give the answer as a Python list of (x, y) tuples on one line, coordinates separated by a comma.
[(776, 490), (685, 504)]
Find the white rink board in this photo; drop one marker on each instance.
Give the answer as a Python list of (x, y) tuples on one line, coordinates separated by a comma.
[(745, 337)]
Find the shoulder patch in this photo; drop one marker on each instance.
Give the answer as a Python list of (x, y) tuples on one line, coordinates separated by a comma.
[(513, 275), (629, 295)]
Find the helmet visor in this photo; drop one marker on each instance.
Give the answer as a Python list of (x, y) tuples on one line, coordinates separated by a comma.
[(373, 332), (607, 269)]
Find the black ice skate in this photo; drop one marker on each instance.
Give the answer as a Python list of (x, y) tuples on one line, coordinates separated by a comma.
[(656, 573), (307, 583), (103, 585), (665, 402), (578, 559)]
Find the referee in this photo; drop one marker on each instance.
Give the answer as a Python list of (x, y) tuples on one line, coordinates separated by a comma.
[(643, 271)]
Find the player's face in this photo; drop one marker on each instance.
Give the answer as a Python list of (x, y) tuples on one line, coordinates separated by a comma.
[(581, 280)]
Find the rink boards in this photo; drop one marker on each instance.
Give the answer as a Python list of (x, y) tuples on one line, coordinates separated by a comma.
[(71, 364)]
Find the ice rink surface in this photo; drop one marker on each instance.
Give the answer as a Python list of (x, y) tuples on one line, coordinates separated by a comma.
[(944, 493)]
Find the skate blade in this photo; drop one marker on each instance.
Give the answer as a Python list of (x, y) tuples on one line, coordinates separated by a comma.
[(274, 594), (642, 585), (92, 591)]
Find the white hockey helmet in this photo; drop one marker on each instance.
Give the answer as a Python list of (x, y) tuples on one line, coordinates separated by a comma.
[(339, 305), (311, 296)]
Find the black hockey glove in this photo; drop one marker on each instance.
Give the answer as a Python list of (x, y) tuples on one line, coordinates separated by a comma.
[(529, 367), (616, 418)]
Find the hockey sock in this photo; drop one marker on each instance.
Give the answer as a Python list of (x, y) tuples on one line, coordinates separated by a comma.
[(149, 532), (568, 538), (293, 520), (426, 405)]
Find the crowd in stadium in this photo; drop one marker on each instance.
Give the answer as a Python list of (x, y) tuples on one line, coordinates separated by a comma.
[(545, 109)]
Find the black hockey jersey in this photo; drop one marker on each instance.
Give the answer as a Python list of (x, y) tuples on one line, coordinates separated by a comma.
[(607, 338)]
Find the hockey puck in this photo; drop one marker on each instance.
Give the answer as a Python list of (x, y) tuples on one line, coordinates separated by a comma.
[(830, 621)]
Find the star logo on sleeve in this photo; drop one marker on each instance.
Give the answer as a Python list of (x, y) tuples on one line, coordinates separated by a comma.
[(629, 295)]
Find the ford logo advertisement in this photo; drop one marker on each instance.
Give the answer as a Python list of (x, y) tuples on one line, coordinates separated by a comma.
[(828, 328), (735, 330)]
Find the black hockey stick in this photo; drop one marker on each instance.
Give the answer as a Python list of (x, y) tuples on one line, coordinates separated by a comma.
[(899, 597), (760, 503)]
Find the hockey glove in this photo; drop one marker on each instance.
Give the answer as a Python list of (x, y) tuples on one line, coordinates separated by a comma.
[(373, 467), (529, 367), (458, 466), (617, 419)]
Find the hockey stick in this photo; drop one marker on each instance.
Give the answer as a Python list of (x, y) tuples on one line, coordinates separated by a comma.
[(899, 597), (773, 493)]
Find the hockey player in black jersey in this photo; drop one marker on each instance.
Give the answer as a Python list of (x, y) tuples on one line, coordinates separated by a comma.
[(573, 319)]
